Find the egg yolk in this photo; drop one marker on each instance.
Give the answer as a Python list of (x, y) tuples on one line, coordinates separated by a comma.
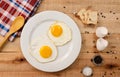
[(56, 30), (45, 51)]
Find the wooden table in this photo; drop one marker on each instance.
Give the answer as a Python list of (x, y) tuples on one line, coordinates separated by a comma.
[(13, 64)]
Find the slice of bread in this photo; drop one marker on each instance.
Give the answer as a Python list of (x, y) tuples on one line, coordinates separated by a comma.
[(88, 16)]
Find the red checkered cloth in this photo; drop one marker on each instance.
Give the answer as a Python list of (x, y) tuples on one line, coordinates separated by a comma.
[(10, 9)]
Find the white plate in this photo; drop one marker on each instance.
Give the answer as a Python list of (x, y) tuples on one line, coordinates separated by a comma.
[(38, 25)]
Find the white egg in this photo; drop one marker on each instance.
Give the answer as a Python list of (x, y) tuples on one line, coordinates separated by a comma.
[(36, 49), (59, 33)]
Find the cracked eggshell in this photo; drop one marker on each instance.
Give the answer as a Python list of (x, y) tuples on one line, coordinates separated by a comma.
[(101, 44), (101, 31)]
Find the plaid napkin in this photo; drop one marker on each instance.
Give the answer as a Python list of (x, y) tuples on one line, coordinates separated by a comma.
[(10, 9)]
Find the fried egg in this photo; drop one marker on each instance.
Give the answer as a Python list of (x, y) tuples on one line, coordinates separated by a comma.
[(43, 50), (59, 33)]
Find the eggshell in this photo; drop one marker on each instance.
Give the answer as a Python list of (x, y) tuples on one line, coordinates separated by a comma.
[(101, 31), (101, 44)]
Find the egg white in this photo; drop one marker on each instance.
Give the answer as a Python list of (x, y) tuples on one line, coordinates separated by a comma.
[(35, 46), (65, 37)]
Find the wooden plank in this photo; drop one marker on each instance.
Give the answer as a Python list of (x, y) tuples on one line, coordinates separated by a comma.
[(15, 62), (68, 8), (31, 74), (64, 74), (88, 44), (110, 2), (72, 5), (11, 46), (11, 64)]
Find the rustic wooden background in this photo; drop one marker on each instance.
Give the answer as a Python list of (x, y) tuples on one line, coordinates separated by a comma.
[(13, 64)]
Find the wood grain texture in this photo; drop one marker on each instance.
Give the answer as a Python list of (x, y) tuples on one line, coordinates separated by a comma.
[(13, 63)]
